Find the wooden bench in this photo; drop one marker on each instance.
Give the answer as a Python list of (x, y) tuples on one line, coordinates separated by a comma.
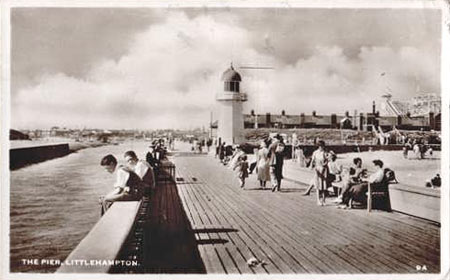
[(378, 190), (373, 191), (166, 171)]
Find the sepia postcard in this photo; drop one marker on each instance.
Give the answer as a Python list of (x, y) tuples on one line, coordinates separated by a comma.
[(225, 139)]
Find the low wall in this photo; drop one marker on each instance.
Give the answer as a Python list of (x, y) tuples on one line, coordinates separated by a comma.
[(104, 242), (422, 203), (338, 149), (20, 157), (342, 149)]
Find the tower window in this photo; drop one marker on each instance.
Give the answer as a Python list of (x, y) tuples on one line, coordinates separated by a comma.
[(236, 86), (231, 86)]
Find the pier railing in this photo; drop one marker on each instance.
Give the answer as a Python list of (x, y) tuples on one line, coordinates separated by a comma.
[(115, 243), (98, 251)]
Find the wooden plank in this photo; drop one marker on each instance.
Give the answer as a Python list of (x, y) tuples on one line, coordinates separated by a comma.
[(317, 258), (212, 252), (347, 244), (374, 237), (236, 256), (205, 238), (220, 248), (231, 250), (271, 235), (362, 237), (231, 207), (417, 236), (280, 266), (268, 223), (196, 222), (208, 257), (245, 252), (418, 239), (242, 260), (325, 226)]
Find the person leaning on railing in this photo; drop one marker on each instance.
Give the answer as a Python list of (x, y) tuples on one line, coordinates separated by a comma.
[(128, 185), (142, 169), (150, 158)]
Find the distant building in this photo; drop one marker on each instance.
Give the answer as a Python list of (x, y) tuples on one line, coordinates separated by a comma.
[(269, 120), (17, 135), (423, 112), (363, 121)]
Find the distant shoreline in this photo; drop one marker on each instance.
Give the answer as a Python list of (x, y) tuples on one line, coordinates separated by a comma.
[(76, 146), (23, 155)]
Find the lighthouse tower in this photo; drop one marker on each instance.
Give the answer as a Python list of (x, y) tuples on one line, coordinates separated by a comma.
[(230, 99)]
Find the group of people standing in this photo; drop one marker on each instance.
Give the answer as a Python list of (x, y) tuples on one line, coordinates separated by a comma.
[(418, 147), (327, 171), (268, 164)]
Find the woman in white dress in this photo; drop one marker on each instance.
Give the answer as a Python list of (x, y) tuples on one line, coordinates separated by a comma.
[(300, 156), (262, 167)]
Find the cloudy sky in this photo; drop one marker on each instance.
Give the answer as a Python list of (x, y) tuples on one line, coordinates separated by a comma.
[(160, 68)]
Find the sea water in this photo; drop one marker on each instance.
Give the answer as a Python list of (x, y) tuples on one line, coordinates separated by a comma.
[(54, 204)]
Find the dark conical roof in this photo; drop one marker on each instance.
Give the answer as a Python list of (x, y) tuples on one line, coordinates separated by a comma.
[(230, 75)]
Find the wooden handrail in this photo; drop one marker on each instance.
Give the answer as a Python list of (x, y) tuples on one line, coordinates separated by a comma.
[(103, 243)]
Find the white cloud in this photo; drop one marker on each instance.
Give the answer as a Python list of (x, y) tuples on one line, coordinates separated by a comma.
[(330, 82), (172, 71), (168, 79)]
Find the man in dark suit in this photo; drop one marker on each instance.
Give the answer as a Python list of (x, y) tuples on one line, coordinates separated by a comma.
[(276, 163)]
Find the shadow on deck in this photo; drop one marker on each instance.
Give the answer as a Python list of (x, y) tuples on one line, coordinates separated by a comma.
[(171, 245)]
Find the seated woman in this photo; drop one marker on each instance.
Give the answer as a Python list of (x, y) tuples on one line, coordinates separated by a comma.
[(353, 177), (128, 185), (334, 171), (358, 192)]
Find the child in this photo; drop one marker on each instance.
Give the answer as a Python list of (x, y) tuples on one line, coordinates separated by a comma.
[(127, 186), (242, 168)]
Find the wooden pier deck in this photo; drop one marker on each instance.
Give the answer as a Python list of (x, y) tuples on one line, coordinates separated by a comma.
[(289, 232)]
